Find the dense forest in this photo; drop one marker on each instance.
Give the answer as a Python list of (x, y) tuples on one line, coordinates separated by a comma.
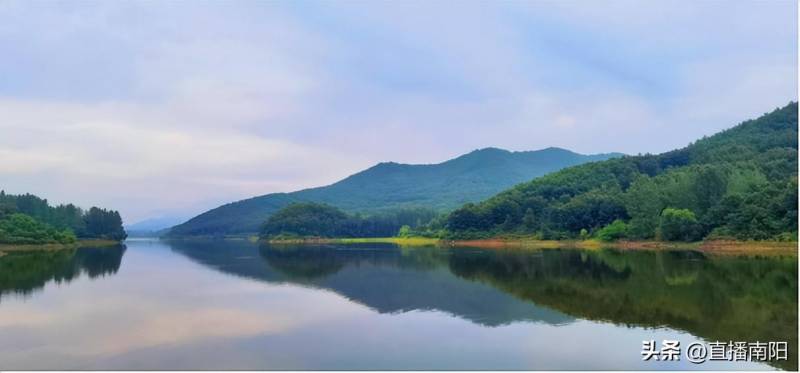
[(310, 219), (740, 183), (393, 186), (28, 219)]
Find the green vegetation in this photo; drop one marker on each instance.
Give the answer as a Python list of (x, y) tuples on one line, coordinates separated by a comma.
[(739, 184), (389, 187), (300, 220), (679, 225), (612, 232), (28, 219), (23, 229)]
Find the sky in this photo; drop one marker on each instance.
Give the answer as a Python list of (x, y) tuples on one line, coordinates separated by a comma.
[(171, 108)]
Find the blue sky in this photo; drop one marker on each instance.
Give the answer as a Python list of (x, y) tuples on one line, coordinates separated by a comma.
[(170, 108)]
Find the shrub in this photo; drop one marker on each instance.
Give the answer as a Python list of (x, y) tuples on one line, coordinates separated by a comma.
[(614, 231)]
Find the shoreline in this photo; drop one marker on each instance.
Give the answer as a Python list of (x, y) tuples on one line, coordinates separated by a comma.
[(713, 247), (4, 247)]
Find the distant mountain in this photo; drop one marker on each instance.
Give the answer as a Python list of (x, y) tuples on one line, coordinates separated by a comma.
[(153, 226), (469, 178)]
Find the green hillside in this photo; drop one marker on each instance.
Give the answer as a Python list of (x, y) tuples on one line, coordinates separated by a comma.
[(387, 186), (740, 183)]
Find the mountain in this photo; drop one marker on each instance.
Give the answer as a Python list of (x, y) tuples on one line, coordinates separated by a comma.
[(385, 186), (740, 183), (153, 226)]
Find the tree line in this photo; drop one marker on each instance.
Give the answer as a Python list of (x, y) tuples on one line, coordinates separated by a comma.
[(28, 219), (309, 219)]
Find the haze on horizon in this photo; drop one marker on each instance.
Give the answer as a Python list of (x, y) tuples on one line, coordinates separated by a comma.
[(162, 108)]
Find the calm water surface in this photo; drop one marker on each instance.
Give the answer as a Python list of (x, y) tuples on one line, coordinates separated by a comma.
[(238, 305)]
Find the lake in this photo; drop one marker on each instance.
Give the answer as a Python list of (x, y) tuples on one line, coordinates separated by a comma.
[(152, 304)]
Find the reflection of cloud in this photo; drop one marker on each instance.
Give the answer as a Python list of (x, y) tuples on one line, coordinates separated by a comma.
[(130, 314), (165, 327), (188, 326)]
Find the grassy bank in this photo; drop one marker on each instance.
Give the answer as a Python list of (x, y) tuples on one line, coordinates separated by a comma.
[(58, 246), (720, 247), (401, 241), (716, 247)]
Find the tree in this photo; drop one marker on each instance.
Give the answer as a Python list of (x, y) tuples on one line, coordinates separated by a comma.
[(643, 203), (529, 220), (405, 231), (709, 187), (679, 225), (102, 223)]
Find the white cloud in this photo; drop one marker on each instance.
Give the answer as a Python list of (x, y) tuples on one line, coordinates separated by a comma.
[(153, 108), (140, 152)]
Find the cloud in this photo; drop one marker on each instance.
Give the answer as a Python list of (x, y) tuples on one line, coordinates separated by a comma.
[(141, 151), (159, 108)]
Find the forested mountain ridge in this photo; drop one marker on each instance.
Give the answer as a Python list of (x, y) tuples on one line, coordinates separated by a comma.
[(740, 183), (393, 186), (28, 219)]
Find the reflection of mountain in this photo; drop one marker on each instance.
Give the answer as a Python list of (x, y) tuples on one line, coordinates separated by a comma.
[(726, 299), (27, 271), (386, 279)]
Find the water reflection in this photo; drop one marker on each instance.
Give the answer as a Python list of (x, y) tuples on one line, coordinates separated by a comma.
[(382, 277), (719, 298), (238, 305), (24, 272), (725, 298)]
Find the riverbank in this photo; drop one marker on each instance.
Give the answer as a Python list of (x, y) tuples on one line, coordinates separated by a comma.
[(401, 241), (56, 246), (713, 247)]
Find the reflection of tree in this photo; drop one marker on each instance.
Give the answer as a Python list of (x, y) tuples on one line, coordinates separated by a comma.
[(385, 278), (27, 271), (100, 261), (308, 262), (390, 279), (740, 299), (303, 265)]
